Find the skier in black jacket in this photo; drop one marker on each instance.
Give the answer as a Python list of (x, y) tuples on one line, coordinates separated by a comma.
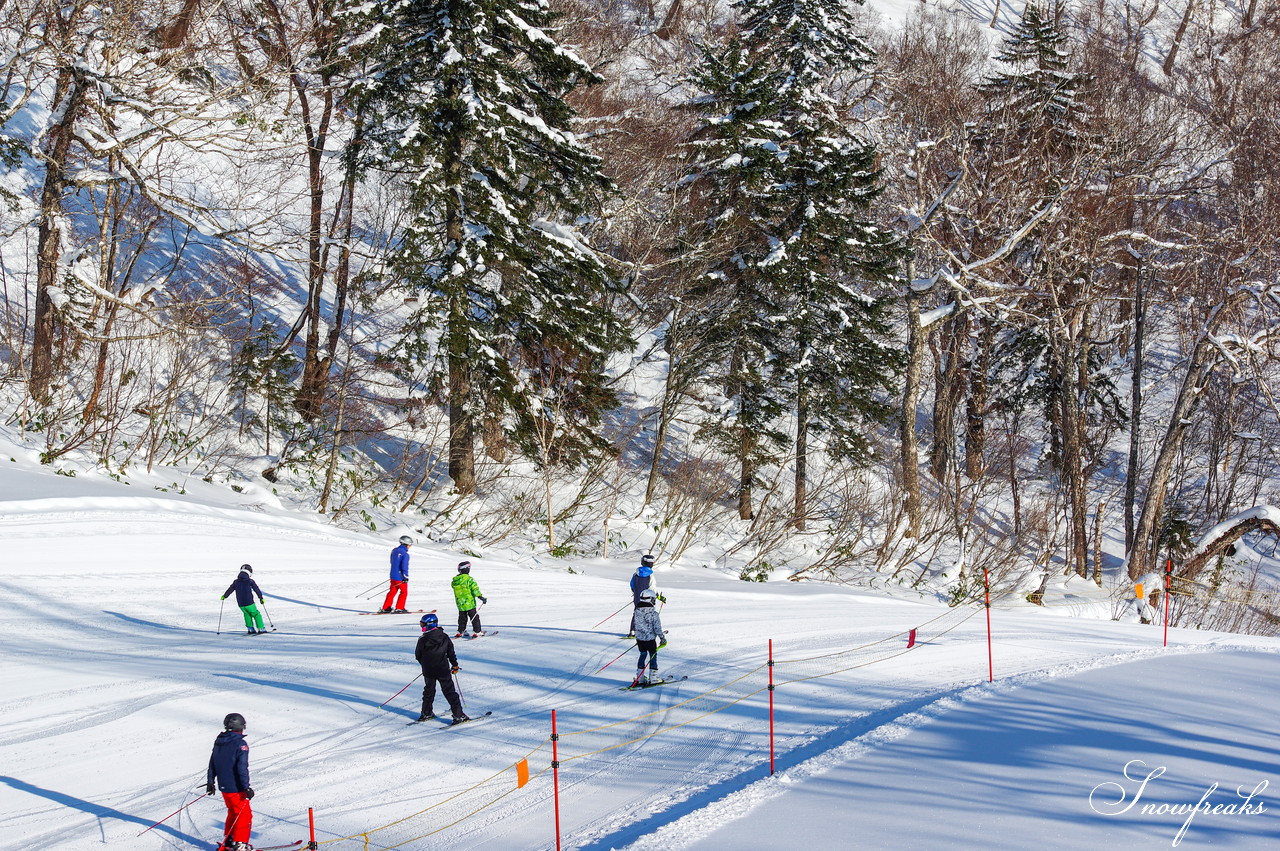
[(229, 765), (439, 663)]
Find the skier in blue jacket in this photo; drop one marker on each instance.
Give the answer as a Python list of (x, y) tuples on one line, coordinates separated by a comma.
[(229, 767), (642, 580), (244, 588), (398, 594)]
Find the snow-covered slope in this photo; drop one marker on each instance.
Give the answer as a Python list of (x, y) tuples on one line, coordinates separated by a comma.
[(115, 682)]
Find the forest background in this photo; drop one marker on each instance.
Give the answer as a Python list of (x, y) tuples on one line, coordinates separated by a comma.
[(893, 295)]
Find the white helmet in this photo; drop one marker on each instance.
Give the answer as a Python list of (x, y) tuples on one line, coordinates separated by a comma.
[(648, 595), (405, 539)]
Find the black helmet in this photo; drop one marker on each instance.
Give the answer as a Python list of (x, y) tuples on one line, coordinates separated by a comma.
[(464, 567), (648, 559), (246, 568), (234, 721)]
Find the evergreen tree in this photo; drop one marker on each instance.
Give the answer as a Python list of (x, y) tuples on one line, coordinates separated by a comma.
[(466, 103), (730, 162), (1035, 100), (827, 261)]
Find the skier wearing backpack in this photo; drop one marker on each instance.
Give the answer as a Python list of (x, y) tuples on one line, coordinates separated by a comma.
[(642, 579), (649, 633), (465, 594), (398, 593), (244, 588), (229, 767), (439, 663)]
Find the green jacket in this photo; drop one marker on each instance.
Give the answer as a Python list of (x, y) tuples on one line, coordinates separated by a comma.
[(465, 591)]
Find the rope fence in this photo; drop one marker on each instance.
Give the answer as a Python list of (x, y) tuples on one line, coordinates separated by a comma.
[(699, 721)]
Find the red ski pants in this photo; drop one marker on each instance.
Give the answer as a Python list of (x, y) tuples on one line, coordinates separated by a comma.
[(239, 817), (398, 587)]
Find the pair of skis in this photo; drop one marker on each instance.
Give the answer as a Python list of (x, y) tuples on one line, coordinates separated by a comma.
[(639, 685), (414, 612), (459, 724)]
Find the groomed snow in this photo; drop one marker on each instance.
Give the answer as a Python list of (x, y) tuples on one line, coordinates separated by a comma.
[(115, 683)]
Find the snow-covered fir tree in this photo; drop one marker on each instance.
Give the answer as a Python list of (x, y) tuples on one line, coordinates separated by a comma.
[(1034, 97), (730, 163), (827, 261), (465, 103)]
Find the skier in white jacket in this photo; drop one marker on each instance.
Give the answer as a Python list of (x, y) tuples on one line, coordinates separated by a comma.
[(649, 637)]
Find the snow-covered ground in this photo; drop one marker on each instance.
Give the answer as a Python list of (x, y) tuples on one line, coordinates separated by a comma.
[(115, 681)]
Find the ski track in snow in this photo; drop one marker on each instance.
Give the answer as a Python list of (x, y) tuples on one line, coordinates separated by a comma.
[(130, 640), (718, 804)]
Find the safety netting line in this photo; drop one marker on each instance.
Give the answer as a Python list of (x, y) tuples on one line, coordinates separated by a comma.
[(669, 727), (663, 710), (366, 833), (1216, 593), (873, 661), (461, 819), (895, 636), (722, 695)]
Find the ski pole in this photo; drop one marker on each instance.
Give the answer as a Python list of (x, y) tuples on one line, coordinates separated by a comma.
[(619, 656), (221, 606), (620, 608), (458, 685), (397, 694), (374, 588), (268, 614), (171, 815)]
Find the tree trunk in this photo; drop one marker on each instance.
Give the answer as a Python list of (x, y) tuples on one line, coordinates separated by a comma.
[(1204, 359), (660, 435), (802, 456), (975, 443), (1073, 475), (67, 101), (949, 390), (315, 366), (1135, 412), (1177, 38), (172, 36), (670, 21), (462, 453), (747, 450), (909, 454)]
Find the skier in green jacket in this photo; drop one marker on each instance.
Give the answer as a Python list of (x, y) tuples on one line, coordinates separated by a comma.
[(465, 594)]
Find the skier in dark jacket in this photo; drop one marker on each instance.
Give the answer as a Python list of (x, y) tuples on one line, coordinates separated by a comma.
[(439, 663), (642, 579), (398, 593), (244, 588), (229, 766)]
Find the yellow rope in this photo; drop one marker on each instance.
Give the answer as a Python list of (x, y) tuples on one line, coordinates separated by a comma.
[(728, 702)]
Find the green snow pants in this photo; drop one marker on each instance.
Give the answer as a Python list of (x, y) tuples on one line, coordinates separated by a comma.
[(252, 618)]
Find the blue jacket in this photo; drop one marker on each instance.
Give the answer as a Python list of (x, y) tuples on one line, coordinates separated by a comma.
[(638, 584), (245, 588), (400, 564), (229, 762)]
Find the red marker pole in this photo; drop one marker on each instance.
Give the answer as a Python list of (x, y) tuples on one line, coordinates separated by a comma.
[(1168, 569), (555, 773), (311, 826), (771, 750), (986, 583)]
